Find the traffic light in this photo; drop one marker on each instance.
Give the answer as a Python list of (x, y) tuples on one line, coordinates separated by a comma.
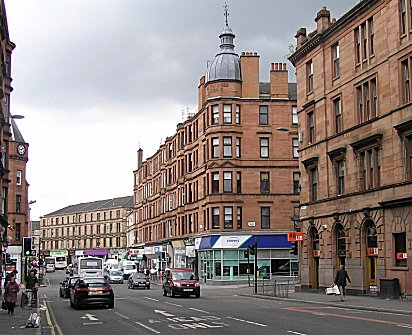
[(26, 246), (246, 253), (252, 249), (294, 248), (8, 259)]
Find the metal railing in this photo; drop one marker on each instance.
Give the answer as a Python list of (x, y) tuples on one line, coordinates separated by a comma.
[(276, 288)]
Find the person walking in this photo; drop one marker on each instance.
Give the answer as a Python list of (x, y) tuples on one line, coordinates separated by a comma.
[(31, 286), (10, 294), (341, 280)]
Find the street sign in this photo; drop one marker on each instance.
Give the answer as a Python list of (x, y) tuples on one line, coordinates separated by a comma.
[(401, 255), (33, 252), (295, 237), (373, 251)]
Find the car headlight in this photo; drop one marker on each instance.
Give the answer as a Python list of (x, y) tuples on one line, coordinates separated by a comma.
[(177, 284), (197, 284)]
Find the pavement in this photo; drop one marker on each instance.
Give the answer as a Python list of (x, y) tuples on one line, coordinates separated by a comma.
[(16, 324)]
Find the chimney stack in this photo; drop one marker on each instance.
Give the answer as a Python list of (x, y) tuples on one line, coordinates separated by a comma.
[(139, 158), (249, 63), (300, 37), (322, 20), (279, 86)]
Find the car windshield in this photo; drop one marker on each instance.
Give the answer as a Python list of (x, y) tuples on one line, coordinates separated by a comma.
[(115, 273), (129, 267), (184, 275), (94, 282), (139, 276)]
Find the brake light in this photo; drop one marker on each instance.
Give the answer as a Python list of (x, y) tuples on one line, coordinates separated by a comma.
[(82, 289)]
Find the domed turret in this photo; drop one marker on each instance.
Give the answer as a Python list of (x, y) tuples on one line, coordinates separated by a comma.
[(226, 65)]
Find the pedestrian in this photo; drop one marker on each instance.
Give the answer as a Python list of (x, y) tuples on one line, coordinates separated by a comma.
[(10, 294), (31, 286), (340, 280), (9, 275)]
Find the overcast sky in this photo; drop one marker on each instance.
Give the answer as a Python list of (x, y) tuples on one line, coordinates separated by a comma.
[(96, 78)]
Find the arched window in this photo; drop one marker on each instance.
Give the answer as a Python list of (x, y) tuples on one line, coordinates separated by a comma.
[(340, 241)]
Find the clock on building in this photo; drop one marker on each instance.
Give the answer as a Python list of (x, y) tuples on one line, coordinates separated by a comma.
[(21, 149)]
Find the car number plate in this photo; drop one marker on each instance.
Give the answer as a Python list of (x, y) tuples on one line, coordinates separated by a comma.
[(96, 292), (187, 289)]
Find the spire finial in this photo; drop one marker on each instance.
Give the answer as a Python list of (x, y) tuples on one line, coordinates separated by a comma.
[(226, 14)]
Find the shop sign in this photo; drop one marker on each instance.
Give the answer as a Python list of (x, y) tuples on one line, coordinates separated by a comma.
[(180, 251), (148, 250), (251, 224), (401, 255), (231, 242), (157, 250), (79, 252), (295, 237), (372, 251), (316, 253), (190, 251)]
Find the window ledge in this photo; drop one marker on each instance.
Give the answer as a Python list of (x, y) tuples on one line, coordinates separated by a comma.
[(399, 268)]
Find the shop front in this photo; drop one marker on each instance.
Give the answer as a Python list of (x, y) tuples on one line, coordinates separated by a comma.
[(222, 258)]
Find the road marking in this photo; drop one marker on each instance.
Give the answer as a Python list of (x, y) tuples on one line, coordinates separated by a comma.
[(120, 298), (164, 313), (123, 316), (90, 317), (199, 310), (410, 327), (169, 303), (251, 322), (152, 299), (147, 327), (359, 318), (154, 321), (50, 316), (296, 333), (91, 323)]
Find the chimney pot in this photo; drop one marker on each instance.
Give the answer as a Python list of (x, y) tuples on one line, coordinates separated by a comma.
[(272, 66)]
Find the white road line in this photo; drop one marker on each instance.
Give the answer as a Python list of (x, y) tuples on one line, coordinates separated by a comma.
[(169, 303), (199, 310), (123, 316), (296, 333), (405, 326), (147, 327), (151, 299), (251, 322), (91, 323)]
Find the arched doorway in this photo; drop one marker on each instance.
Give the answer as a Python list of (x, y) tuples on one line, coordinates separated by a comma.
[(371, 256), (340, 242), (315, 255)]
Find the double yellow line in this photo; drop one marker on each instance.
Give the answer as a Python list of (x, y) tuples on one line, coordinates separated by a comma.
[(51, 320)]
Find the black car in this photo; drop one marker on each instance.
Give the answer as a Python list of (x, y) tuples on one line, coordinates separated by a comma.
[(64, 288), (72, 281), (91, 291), (138, 279)]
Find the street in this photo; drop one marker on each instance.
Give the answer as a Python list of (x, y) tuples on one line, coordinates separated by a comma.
[(218, 311)]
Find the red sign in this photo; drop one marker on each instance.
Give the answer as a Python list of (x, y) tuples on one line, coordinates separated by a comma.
[(401, 255), (372, 251), (316, 253), (295, 237)]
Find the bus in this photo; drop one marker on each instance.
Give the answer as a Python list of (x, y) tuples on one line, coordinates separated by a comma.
[(89, 266), (61, 262)]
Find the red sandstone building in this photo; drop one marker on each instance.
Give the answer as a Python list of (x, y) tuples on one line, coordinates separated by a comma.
[(227, 178), (354, 111)]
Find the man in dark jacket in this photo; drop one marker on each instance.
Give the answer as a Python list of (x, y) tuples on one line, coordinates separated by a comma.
[(31, 286), (340, 280)]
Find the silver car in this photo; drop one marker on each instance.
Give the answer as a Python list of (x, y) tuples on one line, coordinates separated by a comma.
[(115, 277)]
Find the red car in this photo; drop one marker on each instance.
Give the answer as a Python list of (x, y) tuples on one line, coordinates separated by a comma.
[(181, 281)]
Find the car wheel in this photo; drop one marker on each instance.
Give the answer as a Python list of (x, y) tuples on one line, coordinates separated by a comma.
[(164, 293), (172, 292)]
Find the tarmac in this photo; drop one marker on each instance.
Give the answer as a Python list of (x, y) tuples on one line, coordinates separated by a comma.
[(16, 324)]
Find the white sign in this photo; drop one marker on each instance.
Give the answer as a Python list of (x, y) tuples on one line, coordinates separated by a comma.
[(78, 252), (148, 250), (180, 251), (230, 242), (197, 242), (190, 251), (251, 224)]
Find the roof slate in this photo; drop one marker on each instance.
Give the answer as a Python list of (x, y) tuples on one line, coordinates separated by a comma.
[(122, 202)]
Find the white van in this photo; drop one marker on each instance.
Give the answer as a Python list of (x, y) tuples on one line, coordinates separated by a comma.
[(111, 264), (127, 268)]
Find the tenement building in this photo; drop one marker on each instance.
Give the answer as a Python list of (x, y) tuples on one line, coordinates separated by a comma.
[(96, 228), (227, 178), (355, 117)]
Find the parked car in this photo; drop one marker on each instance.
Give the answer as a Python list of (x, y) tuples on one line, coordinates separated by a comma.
[(50, 267), (64, 288), (91, 291), (115, 276), (181, 281), (138, 280)]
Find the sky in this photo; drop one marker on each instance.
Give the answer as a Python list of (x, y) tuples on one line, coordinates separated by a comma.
[(97, 79)]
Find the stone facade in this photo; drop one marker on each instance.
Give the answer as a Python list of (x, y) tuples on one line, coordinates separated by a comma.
[(355, 118), (88, 228), (226, 170)]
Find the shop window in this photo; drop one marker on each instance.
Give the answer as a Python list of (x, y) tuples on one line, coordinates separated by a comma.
[(400, 249)]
